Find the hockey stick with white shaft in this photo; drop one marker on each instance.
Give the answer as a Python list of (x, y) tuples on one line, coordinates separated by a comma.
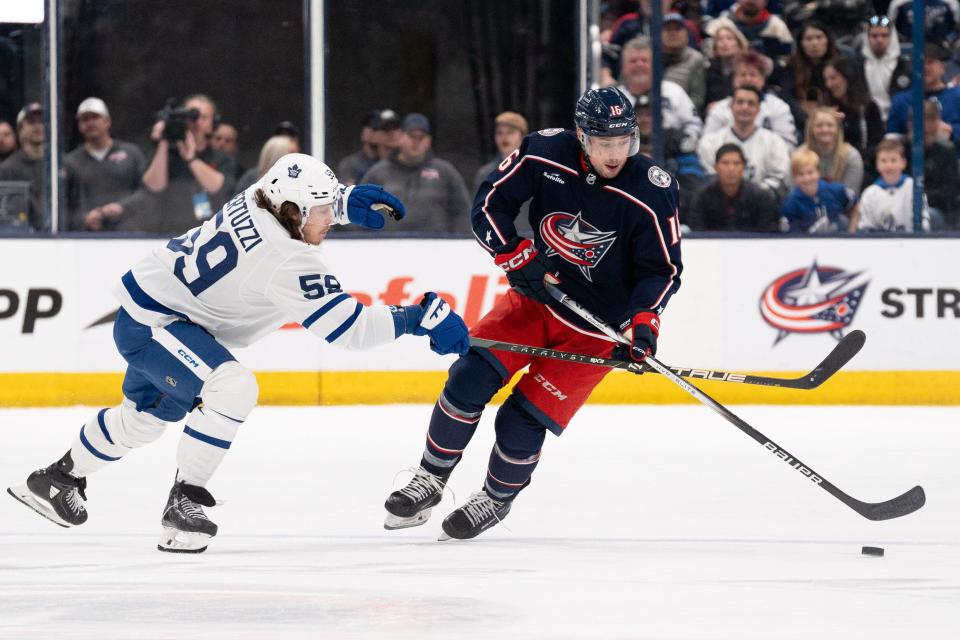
[(848, 347), (900, 506)]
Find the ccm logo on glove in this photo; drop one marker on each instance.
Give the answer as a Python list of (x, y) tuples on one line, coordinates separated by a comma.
[(515, 259), (527, 269), (643, 330)]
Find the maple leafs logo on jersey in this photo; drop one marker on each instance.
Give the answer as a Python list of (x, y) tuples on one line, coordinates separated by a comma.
[(576, 240), (813, 300), (294, 171)]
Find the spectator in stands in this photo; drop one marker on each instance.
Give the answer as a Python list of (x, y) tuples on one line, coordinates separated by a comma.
[(684, 164), (843, 16), (885, 70), (839, 162), (767, 155), (728, 202), (934, 88), (102, 175), (940, 172), (887, 204), (803, 80), (26, 163), (628, 27), (352, 168), (272, 150), (815, 205), (678, 110), (765, 32), (750, 70), (847, 92), (224, 140), (509, 130), (715, 8), (287, 128), (432, 190), (8, 140), (387, 133), (682, 63), (191, 179), (940, 20), (724, 45)]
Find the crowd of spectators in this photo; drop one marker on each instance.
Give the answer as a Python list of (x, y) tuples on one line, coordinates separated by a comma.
[(778, 116), (794, 101)]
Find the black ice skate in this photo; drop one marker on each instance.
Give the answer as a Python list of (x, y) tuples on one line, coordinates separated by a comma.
[(55, 494), (479, 514), (411, 506), (186, 528)]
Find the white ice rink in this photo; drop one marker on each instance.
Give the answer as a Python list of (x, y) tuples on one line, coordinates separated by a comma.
[(641, 522)]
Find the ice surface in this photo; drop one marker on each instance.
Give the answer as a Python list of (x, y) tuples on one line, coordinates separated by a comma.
[(641, 522)]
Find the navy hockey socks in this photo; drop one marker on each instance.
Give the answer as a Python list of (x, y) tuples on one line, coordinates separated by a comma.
[(507, 475), (517, 451), (451, 429)]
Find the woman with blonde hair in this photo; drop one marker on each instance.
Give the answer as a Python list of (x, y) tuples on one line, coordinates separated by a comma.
[(839, 161), (724, 44), (273, 149)]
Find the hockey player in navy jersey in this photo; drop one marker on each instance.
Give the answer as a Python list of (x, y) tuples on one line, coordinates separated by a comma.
[(232, 280), (605, 229)]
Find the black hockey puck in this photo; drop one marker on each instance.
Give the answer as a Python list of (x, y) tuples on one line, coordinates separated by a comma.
[(872, 551)]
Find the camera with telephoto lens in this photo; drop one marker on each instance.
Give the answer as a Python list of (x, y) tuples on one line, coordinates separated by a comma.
[(175, 120)]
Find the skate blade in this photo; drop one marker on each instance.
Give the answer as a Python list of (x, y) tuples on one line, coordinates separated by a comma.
[(23, 495), (396, 522), (443, 537), (176, 541)]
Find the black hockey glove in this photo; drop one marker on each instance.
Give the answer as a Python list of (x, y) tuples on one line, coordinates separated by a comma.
[(645, 328), (527, 269)]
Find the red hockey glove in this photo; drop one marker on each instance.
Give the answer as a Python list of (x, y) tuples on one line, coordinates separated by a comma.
[(526, 269), (643, 331)]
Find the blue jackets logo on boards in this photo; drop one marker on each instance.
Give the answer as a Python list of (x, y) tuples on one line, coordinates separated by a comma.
[(813, 300)]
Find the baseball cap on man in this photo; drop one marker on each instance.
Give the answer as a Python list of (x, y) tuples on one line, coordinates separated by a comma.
[(93, 105), (514, 120), (29, 109), (672, 17), (936, 52), (416, 121), (387, 120)]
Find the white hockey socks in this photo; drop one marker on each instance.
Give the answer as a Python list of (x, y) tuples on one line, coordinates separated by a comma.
[(110, 434), (205, 441), (229, 395)]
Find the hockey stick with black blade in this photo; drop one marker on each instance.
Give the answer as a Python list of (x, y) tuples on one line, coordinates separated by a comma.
[(841, 355), (900, 506)]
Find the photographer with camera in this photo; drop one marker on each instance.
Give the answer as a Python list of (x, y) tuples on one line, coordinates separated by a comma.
[(191, 179)]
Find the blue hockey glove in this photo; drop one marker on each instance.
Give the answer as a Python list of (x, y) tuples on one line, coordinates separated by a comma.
[(527, 269), (365, 202), (433, 317), (645, 328)]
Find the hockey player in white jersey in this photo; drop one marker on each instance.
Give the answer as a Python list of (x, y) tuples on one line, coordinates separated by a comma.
[(227, 283)]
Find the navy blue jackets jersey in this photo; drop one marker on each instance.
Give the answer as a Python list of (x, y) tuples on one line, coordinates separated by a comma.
[(820, 213), (615, 243), (948, 99)]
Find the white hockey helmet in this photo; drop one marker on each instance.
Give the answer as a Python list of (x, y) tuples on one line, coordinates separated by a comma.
[(302, 180)]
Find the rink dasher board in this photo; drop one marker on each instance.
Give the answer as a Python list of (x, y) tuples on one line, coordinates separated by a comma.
[(55, 327)]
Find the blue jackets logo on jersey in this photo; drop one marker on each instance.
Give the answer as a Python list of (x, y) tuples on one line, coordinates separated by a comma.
[(813, 300), (294, 171), (576, 240), (659, 177)]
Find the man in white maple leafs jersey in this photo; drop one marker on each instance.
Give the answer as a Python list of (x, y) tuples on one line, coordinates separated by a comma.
[(227, 283)]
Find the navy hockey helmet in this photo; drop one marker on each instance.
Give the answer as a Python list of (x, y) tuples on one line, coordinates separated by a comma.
[(605, 113)]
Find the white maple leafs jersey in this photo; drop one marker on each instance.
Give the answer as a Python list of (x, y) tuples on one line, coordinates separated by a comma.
[(890, 207), (240, 276)]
